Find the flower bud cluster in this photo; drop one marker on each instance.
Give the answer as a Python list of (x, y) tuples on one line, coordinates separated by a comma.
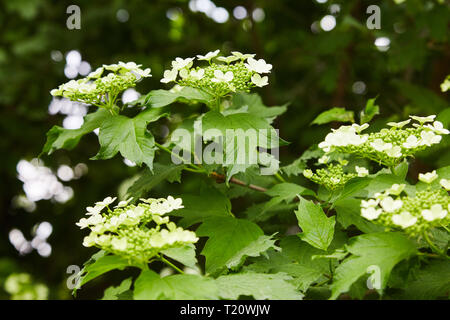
[(138, 232), (388, 146), (334, 176), (236, 72), (102, 86), (427, 209)]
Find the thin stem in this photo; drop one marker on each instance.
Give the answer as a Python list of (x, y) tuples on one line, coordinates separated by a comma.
[(279, 177), (170, 264), (433, 246), (195, 167)]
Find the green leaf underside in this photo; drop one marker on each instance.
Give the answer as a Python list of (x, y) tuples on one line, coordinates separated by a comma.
[(318, 229), (294, 259), (161, 98), (150, 286), (148, 180), (197, 208), (239, 153), (185, 255), (334, 114), (380, 250), (230, 241), (113, 293), (129, 136)]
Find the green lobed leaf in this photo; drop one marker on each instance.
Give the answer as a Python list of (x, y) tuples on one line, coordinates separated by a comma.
[(61, 138), (148, 180), (317, 228), (161, 98), (260, 286), (129, 136), (197, 208), (150, 286), (370, 111), (113, 293), (349, 213), (184, 254), (334, 114), (230, 241), (253, 104), (376, 250)]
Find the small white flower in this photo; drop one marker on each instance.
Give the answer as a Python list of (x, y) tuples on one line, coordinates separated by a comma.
[(361, 171), (95, 219), (371, 213), (90, 240), (390, 205), (197, 75), (107, 201), (83, 223), (435, 212), (325, 146), (428, 177), (404, 219), (169, 76), (95, 210), (445, 184), (219, 76), (208, 56), (95, 74), (175, 204), (424, 119), (260, 81), (399, 124), (428, 138), (242, 56), (124, 203), (411, 142), (180, 63), (380, 146), (370, 203), (259, 66), (324, 159), (119, 244), (307, 173), (228, 59), (396, 189), (335, 180), (437, 127), (394, 152), (359, 128)]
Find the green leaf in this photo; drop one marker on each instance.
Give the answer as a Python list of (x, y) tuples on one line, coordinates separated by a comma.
[(100, 266), (251, 130), (317, 228), (401, 170), (197, 208), (334, 114), (129, 136), (230, 241), (112, 293), (288, 191), (349, 213), (295, 259), (380, 251), (150, 286), (252, 103), (297, 167), (260, 286), (161, 98), (370, 111), (352, 187), (148, 180), (184, 254), (60, 138), (431, 282)]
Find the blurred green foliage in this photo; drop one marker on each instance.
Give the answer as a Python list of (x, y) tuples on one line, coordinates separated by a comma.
[(313, 70)]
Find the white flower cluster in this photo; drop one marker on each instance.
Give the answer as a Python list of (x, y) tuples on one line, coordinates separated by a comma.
[(237, 72), (388, 146), (134, 231), (102, 91), (427, 209)]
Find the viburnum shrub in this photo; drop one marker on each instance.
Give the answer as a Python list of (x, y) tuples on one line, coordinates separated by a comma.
[(343, 220)]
